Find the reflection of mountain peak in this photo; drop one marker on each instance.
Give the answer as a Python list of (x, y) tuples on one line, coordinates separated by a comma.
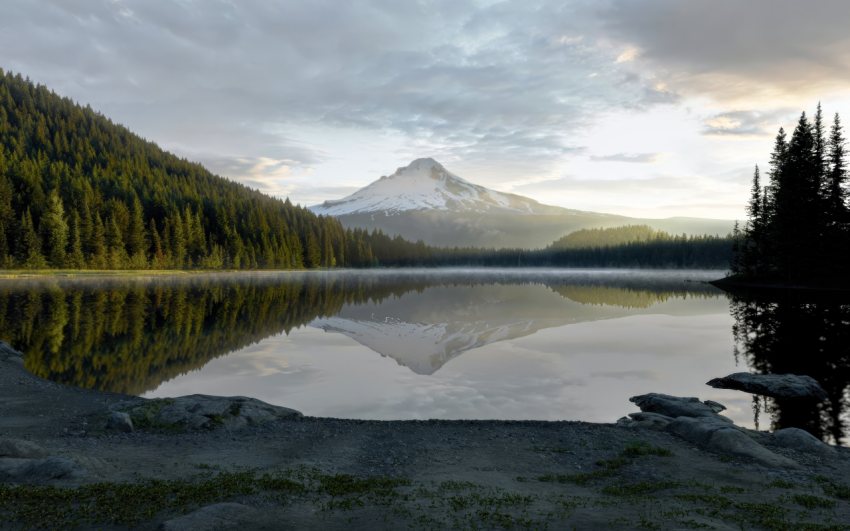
[(422, 347), (424, 330)]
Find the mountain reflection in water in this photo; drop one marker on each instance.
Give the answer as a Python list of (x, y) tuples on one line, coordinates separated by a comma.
[(793, 332), (567, 344)]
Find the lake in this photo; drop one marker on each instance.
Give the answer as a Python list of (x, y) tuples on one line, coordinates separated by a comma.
[(448, 344)]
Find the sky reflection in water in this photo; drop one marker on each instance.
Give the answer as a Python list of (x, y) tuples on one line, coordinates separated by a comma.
[(418, 344)]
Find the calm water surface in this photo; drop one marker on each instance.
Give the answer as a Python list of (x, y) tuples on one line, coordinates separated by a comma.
[(418, 344)]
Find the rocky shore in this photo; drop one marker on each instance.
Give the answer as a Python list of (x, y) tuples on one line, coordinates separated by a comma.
[(203, 462)]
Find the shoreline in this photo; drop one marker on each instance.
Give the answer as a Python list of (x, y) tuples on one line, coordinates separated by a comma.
[(767, 287), (543, 464)]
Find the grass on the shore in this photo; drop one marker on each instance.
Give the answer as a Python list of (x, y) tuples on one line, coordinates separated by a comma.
[(448, 505)]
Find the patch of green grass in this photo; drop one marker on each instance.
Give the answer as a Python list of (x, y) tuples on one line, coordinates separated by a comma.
[(814, 502), (640, 448), (724, 459), (779, 483), (831, 488), (726, 489), (144, 416)]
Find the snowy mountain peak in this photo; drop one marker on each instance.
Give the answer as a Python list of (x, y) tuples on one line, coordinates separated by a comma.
[(426, 185)]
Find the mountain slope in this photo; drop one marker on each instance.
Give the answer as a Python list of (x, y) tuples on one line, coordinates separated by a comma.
[(425, 185), (424, 201)]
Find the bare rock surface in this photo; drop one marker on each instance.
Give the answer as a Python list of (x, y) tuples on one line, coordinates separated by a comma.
[(674, 406), (787, 386), (6, 351), (200, 412), (21, 449), (650, 421), (218, 517), (720, 437), (39, 470), (800, 440)]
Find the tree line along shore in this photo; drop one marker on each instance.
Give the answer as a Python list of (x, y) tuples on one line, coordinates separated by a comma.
[(80, 192)]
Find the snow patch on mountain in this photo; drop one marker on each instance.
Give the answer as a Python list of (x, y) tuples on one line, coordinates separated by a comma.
[(425, 185)]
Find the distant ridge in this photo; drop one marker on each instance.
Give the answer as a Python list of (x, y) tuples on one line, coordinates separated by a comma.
[(424, 201)]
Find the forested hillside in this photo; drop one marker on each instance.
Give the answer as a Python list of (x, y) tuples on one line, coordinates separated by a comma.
[(79, 191), (605, 237), (799, 225)]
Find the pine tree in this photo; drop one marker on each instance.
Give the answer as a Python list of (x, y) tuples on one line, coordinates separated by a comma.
[(753, 236), (4, 248), (837, 176), (178, 250), (158, 256), (115, 242), (136, 239), (75, 257), (313, 251), (99, 252), (28, 249), (54, 230)]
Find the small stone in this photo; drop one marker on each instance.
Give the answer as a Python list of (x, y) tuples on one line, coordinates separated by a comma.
[(789, 386), (120, 422)]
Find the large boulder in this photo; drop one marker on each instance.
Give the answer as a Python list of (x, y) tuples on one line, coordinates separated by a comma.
[(772, 385), (39, 470), (7, 353), (649, 421), (800, 440), (197, 412), (218, 517), (21, 449), (727, 439), (675, 406)]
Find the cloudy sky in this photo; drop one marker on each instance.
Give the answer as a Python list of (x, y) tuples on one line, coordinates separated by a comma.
[(650, 108)]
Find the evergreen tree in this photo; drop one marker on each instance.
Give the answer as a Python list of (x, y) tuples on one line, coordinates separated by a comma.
[(837, 176), (136, 239), (75, 257), (54, 230), (4, 248), (115, 242), (99, 252), (28, 249), (178, 236), (313, 251), (158, 256)]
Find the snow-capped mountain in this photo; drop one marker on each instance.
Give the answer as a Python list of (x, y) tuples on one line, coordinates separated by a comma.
[(425, 185)]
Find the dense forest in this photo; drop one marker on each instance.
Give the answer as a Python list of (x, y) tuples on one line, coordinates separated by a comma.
[(79, 192), (799, 226), (605, 237)]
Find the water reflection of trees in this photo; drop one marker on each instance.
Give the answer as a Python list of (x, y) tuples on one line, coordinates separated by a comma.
[(130, 335), (804, 334)]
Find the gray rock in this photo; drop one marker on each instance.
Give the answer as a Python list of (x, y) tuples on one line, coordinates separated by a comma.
[(772, 385), (195, 412), (218, 517), (120, 422), (20, 449), (39, 470), (649, 421), (674, 406), (721, 437), (800, 440), (717, 407)]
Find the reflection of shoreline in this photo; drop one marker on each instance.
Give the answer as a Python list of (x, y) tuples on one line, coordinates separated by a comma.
[(130, 334), (799, 332)]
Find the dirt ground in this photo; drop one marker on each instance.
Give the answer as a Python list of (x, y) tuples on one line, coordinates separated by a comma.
[(354, 474)]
